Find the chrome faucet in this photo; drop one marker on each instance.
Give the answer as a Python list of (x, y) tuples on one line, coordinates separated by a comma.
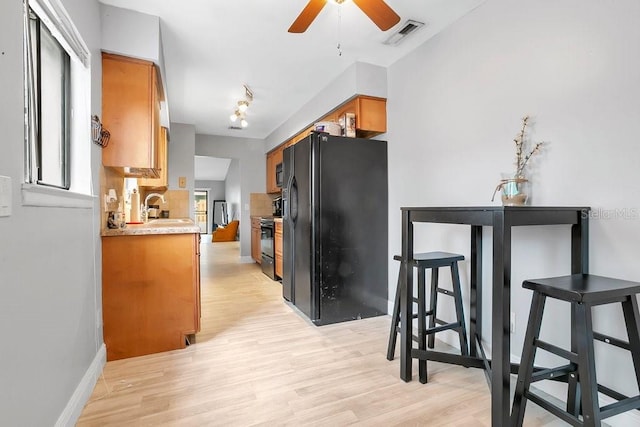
[(144, 209)]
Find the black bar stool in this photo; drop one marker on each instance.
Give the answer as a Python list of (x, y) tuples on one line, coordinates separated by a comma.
[(433, 261), (583, 291)]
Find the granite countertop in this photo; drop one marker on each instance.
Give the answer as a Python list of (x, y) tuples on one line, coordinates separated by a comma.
[(155, 226)]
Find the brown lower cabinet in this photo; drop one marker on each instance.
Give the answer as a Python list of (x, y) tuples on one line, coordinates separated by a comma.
[(256, 250), (150, 293), (277, 246)]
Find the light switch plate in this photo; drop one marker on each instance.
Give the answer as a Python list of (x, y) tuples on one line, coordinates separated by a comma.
[(5, 196), (182, 181)]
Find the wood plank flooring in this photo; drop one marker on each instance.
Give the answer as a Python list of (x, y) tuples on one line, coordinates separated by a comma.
[(257, 362)]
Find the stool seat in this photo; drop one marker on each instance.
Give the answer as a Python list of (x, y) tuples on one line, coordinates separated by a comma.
[(426, 332), (432, 259), (582, 291), (583, 287)]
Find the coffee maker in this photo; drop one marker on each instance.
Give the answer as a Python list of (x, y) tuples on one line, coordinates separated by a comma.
[(277, 206)]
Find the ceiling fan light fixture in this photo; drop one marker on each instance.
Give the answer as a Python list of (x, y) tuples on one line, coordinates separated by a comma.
[(244, 123)]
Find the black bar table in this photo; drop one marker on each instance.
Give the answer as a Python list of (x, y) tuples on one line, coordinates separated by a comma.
[(501, 218)]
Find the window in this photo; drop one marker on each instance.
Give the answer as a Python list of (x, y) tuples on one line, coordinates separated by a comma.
[(57, 100), (50, 89)]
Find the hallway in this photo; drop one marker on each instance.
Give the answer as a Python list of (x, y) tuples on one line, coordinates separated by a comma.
[(258, 362)]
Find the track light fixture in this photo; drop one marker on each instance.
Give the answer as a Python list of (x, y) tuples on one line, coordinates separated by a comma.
[(242, 107)]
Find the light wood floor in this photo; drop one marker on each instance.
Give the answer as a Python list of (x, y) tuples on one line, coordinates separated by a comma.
[(259, 363)]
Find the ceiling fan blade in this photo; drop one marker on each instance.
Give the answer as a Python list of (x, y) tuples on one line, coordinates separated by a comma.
[(379, 12), (306, 17)]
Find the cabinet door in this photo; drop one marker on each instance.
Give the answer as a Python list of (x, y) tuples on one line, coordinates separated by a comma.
[(271, 172), (163, 164), (130, 112), (149, 293), (373, 116), (278, 248), (274, 158), (256, 250), (196, 281)]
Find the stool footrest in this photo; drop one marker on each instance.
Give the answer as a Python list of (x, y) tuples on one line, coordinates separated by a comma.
[(446, 327), (553, 373), (611, 340), (619, 407), (446, 292), (442, 357), (550, 407), (572, 357)]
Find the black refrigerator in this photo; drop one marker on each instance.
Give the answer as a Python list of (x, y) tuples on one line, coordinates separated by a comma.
[(335, 227)]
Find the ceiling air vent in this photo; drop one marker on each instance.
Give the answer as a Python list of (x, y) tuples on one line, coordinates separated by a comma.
[(408, 28)]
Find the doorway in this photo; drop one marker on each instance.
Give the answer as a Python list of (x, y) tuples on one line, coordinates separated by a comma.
[(202, 210)]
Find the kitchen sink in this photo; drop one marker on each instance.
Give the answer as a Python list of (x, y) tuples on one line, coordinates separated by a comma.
[(169, 222)]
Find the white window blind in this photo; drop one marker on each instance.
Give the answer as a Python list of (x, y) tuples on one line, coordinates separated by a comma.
[(59, 23)]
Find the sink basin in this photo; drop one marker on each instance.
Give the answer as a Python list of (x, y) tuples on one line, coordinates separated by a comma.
[(169, 220)]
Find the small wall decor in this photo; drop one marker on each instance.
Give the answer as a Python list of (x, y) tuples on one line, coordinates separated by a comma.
[(99, 135)]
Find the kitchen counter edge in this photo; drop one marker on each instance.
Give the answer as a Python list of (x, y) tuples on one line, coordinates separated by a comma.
[(169, 227)]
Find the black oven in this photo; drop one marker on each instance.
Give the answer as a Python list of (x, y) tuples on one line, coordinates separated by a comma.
[(267, 229)]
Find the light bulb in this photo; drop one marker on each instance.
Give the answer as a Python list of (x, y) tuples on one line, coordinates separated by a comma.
[(244, 123), (233, 117), (242, 106)]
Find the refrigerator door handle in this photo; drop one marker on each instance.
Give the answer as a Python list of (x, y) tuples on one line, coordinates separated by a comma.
[(293, 201)]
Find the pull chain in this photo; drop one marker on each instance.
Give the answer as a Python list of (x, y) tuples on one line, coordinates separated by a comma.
[(339, 29)]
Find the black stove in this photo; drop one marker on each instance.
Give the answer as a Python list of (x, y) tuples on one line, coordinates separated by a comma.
[(267, 231)]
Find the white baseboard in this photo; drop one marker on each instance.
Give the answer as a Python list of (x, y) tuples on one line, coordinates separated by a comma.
[(246, 260), (82, 393)]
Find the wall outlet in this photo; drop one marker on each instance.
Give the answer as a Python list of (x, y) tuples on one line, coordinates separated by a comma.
[(5, 196), (512, 323)]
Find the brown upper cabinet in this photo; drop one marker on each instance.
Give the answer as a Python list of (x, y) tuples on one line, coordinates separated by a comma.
[(274, 158), (162, 181), (371, 120), (131, 95), (371, 115)]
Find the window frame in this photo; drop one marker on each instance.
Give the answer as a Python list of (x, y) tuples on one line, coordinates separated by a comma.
[(79, 153), (34, 155)]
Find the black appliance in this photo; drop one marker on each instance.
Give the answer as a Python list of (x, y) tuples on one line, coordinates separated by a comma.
[(277, 206), (268, 265), (335, 227), (279, 175)]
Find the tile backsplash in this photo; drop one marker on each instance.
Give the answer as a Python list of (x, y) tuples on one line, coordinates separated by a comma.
[(260, 204)]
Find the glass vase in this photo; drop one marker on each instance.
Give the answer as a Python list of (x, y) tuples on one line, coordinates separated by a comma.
[(514, 190)]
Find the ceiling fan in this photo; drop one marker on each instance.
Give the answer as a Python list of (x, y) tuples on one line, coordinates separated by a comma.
[(377, 10)]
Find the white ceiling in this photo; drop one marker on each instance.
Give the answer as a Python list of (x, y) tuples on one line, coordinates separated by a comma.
[(212, 48), (211, 168)]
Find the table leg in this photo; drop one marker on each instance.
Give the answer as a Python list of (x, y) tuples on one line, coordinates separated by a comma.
[(406, 298), (475, 290), (500, 338), (579, 264)]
